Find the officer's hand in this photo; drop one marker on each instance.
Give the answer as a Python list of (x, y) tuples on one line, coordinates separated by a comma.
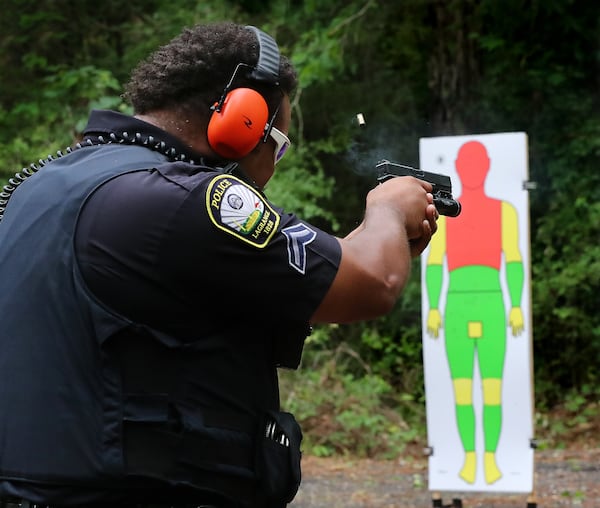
[(410, 198), (429, 227)]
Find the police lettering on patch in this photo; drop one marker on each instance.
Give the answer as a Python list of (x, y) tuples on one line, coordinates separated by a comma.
[(238, 209)]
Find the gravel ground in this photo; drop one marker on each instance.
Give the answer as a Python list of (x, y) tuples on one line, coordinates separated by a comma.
[(562, 478)]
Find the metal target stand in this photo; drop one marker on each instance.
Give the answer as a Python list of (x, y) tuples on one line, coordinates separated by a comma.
[(436, 497), (437, 502)]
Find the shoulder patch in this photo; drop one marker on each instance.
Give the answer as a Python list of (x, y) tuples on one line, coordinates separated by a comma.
[(236, 208)]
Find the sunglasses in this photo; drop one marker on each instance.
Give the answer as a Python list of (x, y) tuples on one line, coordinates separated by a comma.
[(282, 143)]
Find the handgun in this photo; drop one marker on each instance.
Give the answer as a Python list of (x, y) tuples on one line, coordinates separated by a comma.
[(442, 185)]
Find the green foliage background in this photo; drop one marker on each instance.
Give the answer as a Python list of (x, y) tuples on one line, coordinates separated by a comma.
[(414, 68)]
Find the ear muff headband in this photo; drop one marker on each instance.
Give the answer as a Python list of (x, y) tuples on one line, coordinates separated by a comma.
[(267, 67), (240, 118)]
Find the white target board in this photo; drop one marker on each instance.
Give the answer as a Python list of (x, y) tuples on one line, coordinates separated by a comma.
[(476, 311)]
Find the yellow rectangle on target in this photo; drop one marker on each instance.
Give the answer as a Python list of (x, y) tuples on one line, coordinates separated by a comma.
[(475, 329)]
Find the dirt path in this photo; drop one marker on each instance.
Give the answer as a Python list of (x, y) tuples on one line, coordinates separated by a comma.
[(563, 478)]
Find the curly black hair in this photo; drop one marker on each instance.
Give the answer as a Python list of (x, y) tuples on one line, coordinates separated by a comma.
[(191, 71)]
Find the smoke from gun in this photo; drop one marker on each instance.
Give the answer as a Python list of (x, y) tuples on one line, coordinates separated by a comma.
[(442, 184)]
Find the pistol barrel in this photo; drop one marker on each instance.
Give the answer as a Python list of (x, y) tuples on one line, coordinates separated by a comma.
[(442, 184)]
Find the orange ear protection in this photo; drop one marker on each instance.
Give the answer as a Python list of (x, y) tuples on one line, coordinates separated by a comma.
[(240, 119)]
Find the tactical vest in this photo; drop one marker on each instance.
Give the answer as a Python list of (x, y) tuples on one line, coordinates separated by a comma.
[(79, 406)]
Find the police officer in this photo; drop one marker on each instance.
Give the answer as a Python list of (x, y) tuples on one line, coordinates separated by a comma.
[(150, 290)]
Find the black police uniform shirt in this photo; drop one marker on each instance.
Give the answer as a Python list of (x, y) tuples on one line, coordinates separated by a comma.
[(217, 261), (210, 288)]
